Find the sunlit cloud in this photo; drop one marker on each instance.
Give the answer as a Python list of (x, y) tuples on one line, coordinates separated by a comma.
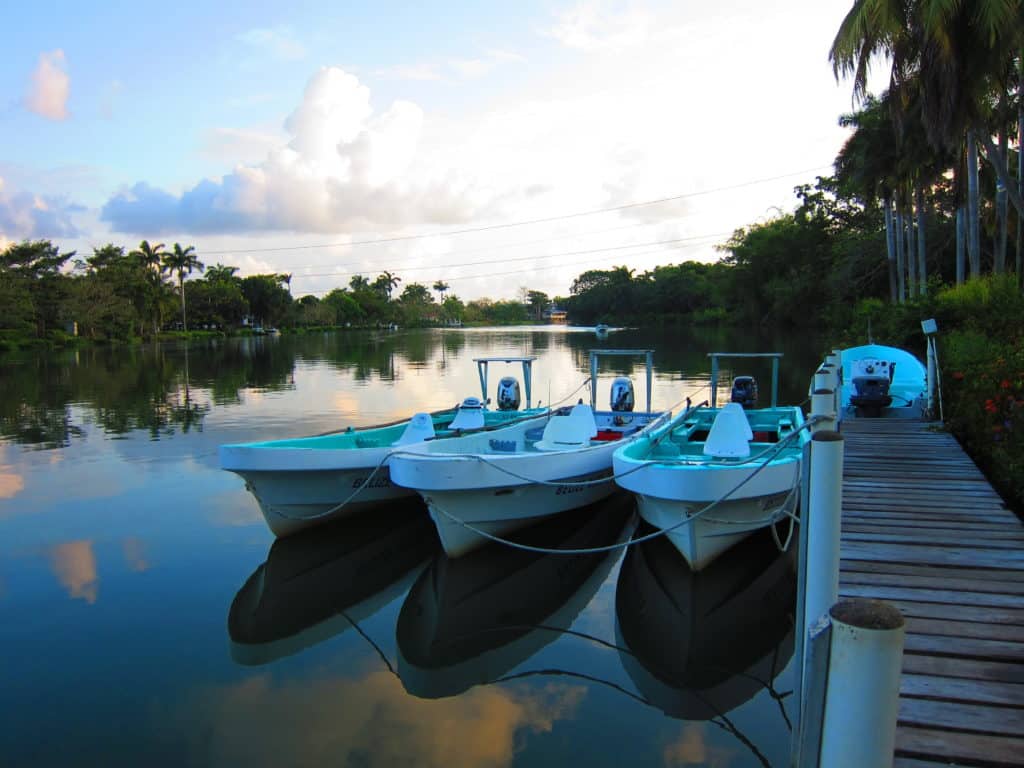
[(371, 721), (49, 87), (594, 26), (344, 169), (74, 565)]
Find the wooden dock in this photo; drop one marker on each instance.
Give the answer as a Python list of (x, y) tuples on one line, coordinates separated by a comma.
[(923, 530)]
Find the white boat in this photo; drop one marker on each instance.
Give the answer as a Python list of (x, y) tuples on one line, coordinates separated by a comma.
[(306, 481), (881, 381), (468, 621), (712, 476), (497, 482)]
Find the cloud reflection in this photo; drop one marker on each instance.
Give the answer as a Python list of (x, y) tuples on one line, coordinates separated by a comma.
[(135, 554), (369, 722), (11, 483), (693, 748), (74, 565)]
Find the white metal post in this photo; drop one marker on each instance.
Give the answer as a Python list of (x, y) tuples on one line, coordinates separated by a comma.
[(824, 510), (930, 344), (823, 406), (862, 693)]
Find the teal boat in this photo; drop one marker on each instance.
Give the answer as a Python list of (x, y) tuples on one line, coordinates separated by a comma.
[(714, 475), (307, 481)]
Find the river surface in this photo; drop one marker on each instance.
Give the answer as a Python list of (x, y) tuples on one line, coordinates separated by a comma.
[(147, 616)]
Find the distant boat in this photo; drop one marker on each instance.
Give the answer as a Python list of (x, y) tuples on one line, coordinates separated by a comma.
[(515, 476), (307, 481), (882, 381)]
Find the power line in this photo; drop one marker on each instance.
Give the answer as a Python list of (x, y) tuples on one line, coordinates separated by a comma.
[(522, 258), (524, 271), (507, 225), (538, 241)]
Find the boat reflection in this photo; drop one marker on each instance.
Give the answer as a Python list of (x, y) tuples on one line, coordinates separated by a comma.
[(315, 584), (467, 621), (702, 643)]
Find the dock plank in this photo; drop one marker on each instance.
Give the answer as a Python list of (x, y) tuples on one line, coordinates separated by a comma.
[(923, 529)]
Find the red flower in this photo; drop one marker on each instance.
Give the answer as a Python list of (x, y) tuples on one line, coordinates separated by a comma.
[(990, 406), (958, 375), (1005, 383)]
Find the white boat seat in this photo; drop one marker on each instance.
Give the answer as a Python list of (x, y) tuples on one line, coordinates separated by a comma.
[(469, 416), (419, 428), (572, 430), (730, 434)]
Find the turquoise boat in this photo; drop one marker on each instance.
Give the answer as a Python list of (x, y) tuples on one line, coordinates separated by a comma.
[(306, 481)]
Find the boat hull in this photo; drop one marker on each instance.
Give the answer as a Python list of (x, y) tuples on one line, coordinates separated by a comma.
[(292, 501), (497, 493), (677, 493), (704, 539), (500, 511)]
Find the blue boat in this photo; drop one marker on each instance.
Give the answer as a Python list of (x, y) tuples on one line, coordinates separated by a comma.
[(880, 381)]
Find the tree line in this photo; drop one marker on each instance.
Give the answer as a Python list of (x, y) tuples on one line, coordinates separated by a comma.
[(120, 294)]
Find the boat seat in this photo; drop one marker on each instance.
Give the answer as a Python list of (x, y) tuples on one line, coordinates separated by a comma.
[(730, 434), (419, 428), (469, 416), (573, 430)]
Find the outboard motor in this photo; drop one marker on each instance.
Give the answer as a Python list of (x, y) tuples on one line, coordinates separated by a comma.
[(508, 394), (871, 379), (744, 391), (622, 394)]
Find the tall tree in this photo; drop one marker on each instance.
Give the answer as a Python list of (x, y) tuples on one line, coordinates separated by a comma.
[(441, 287), (182, 261)]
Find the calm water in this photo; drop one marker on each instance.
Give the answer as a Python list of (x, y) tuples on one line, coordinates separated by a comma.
[(148, 618)]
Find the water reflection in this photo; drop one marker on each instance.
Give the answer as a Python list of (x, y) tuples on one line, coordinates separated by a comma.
[(468, 621), (317, 583), (701, 644)]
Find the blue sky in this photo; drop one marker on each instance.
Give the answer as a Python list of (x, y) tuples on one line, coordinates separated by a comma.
[(246, 129)]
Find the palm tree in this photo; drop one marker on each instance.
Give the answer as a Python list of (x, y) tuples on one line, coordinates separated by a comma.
[(149, 255), (151, 258), (954, 55), (387, 283), (220, 273), (441, 286), (182, 261)]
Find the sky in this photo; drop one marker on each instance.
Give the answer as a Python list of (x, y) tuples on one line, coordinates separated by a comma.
[(494, 146)]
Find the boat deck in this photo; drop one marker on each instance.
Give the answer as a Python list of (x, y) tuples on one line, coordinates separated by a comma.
[(923, 530)]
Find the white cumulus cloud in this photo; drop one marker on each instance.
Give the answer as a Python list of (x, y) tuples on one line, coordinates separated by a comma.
[(24, 215), (345, 168), (49, 87)]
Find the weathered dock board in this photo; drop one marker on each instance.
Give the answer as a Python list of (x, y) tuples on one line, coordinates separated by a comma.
[(923, 530)]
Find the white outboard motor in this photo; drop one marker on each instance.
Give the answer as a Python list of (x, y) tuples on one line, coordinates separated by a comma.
[(622, 394), (508, 394), (871, 379), (744, 391)]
